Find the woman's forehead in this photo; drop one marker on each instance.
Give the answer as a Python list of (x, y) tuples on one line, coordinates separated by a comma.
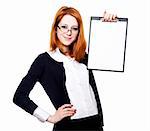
[(69, 20)]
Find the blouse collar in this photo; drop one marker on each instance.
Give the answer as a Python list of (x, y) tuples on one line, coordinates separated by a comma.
[(59, 56)]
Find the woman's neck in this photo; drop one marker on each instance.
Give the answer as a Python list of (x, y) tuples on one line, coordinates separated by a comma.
[(64, 49)]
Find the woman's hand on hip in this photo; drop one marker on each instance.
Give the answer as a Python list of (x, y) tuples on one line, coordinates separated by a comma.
[(62, 112)]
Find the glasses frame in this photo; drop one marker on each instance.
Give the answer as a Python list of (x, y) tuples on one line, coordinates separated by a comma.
[(71, 30)]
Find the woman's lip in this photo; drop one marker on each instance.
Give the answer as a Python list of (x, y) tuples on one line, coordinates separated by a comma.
[(69, 38)]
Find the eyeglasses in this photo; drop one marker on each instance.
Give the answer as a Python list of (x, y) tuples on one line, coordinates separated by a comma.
[(65, 29)]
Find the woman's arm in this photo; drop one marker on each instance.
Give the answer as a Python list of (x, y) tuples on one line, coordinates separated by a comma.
[(21, 96)]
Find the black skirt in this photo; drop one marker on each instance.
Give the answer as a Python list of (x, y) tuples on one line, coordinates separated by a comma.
[(92, 123)]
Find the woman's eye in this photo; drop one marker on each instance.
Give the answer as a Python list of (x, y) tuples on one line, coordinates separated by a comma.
[(64, 27), (75, 29)]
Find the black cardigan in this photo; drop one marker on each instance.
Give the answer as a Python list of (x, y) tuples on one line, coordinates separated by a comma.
[(51, 75)]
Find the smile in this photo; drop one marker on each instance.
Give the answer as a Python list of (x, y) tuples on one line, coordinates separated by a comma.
[(68, 38)]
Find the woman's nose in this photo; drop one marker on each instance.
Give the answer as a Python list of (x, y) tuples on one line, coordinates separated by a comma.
[(69, 32)]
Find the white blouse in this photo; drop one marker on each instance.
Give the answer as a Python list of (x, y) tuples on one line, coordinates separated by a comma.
[(77, 84)]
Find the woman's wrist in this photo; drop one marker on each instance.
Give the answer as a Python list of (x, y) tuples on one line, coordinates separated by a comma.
[(51, 119)]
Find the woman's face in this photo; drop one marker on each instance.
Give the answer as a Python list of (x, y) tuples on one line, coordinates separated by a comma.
[(67, 30)]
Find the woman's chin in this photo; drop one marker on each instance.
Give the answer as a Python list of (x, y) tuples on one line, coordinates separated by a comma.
[(67, 43)]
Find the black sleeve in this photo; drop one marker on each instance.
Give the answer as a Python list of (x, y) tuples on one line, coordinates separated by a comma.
[(21, 96)]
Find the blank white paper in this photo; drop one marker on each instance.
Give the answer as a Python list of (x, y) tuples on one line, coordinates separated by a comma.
[(107, 45)]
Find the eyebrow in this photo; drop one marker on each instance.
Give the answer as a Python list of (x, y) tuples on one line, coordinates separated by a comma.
[(71, 26)]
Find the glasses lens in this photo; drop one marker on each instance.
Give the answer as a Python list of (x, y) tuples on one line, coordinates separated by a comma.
[(74, 29), (65, 29)]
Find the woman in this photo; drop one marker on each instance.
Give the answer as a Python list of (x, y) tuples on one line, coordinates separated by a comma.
[(64, 76)]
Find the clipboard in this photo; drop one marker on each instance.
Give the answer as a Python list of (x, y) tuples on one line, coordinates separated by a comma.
[(107, 44)]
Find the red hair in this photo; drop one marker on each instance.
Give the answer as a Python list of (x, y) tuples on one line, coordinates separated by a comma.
[(77, 49)]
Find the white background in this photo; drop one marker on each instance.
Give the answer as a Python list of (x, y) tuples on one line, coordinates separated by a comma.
[(24, 33)]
